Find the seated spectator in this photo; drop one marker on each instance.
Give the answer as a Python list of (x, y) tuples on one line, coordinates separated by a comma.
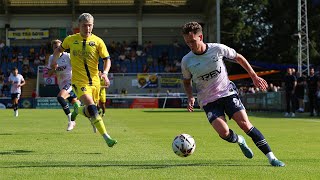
[(1, 75), (42, 58), (25, 71), (122, 56), (272, 88), (36, 61), (32, 72), (150, 60), (5, 89), (14, 58), (26, 61), (43, 49), (2, 45), (167, 68), (145, 68), (20, 57), (1, 85), (123, 69)]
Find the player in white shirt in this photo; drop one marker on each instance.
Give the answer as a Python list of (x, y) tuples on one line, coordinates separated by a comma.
[(216, 94), (64, 74), (17, 81)]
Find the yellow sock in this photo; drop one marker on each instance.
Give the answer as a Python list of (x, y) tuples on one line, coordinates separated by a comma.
[(98, 123)]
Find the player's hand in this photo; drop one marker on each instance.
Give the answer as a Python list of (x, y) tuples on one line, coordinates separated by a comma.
[(260, 83), (190, 104), (54, 66), (106, 80)]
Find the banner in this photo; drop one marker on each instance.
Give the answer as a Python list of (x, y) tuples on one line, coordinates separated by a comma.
[(6, 102), (28, 34), (49, 80), (147, 80), (170, 81)]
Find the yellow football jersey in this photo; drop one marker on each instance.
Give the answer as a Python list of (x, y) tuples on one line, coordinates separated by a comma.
[(84, 54)]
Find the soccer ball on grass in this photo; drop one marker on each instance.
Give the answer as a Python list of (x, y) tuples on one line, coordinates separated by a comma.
[(183, 145)]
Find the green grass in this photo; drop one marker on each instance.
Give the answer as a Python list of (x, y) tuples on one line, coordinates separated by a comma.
[(36, 145)]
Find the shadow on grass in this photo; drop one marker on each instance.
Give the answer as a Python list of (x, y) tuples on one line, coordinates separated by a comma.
[(135, 165), (16, 152), (5, 134), (170, 111)]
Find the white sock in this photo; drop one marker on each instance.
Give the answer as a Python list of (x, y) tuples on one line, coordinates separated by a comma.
[(271, 156), (240, 139), (69, 117), (106, 136)]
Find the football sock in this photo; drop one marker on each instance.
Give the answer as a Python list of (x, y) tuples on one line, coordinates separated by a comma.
[(232, 137), (97, 120), (98, 123), (259, 140), (270, 156), (69, 117), (64, 105), (15, 107)]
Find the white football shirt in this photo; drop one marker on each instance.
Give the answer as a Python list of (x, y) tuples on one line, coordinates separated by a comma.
[(17, 80), (64, 70), (209, 73)]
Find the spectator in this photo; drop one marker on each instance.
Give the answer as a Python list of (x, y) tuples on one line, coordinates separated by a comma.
[(145, 68), (2, 45), (14, 58), (20, 57), (1, 75), (312, 80), (43, 49), (42, 58), (272, 88), (25, 71), (5, 90), (25, 61), (299, 93), (290, 86), (36, 61), (150, 60)]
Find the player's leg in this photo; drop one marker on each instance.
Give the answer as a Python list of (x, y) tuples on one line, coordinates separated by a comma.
[(61, 97), (15, 101), (102, 101), (243, 122), (92, 110), (75, 103), (215, 115)]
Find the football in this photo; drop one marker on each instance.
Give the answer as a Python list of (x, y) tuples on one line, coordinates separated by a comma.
[(183, 145)]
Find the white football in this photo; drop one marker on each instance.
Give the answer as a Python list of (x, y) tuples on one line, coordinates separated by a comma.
[(183, 145)]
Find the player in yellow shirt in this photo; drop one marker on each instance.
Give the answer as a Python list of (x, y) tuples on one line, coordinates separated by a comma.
[(102, 97), (85, 50)]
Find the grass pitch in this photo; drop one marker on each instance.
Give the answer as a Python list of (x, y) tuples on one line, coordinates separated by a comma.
[(36, 145)]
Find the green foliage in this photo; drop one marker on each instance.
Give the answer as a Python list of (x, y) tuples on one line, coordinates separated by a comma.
[(35, 145), (264, 29)]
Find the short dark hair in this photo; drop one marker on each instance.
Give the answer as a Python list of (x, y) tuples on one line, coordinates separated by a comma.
[(193, 27), (14, 68)]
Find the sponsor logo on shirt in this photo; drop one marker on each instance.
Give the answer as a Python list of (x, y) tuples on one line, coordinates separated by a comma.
[(61, 68), (76, 42), (210, 75), (92, 43)]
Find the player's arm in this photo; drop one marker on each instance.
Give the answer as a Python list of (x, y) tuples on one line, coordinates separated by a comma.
[(56, 54), (187, 84), (106, 69), (23, 82), (51, 70), (257, 81)]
